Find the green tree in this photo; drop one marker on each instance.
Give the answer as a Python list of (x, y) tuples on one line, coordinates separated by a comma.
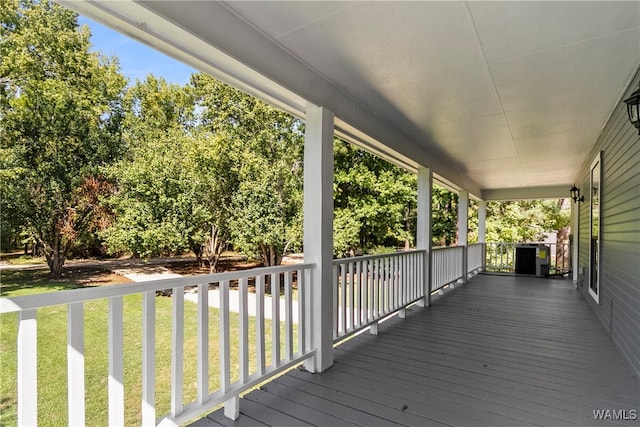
[(262, 148), (175, 187), (444, 205), (214, 181), (375, 201), (525, 220), (60, 111), (157, 205)]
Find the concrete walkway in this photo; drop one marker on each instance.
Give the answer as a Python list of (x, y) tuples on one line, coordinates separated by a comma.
[(156, 272), (234, 303), (146, 273)]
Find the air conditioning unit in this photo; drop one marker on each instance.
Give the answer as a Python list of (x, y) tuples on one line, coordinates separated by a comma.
[(533, 259)]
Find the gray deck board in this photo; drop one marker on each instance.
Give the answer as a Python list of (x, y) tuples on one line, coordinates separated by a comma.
[(415, 401), (371, 411), (499, 351), (299, 405), (218, 419), (474, 392)]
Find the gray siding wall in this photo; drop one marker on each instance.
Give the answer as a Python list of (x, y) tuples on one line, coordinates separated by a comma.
[(619, 307)]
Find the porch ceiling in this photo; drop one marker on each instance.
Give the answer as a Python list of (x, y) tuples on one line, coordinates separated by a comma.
[(491, 95)]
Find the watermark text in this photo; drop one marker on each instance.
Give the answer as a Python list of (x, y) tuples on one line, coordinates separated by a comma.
[(615, 414)]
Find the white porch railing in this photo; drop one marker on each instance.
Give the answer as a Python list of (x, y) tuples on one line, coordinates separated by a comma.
[(501, 257), (447, 266), (365, 290), (475, 257), (368, 288), (236, 374)]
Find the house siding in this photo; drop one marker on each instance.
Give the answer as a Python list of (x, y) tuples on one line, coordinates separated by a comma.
[(618, 309)]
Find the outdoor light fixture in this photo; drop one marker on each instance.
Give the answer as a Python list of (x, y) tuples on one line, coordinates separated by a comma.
[(633, 108), (575, 194)]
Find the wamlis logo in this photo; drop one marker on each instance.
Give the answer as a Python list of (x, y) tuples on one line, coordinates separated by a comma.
[(615, 414)]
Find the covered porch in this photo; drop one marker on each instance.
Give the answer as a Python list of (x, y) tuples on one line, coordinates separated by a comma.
[(498, 104), (498, 351)]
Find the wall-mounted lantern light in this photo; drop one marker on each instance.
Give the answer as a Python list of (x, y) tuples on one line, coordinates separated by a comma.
[(575, 194), (633, 109)]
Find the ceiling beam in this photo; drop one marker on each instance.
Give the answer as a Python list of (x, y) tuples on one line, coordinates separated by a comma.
[(528, 193)]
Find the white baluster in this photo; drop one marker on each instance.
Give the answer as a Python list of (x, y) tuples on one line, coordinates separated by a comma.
[(27, 368), (75, 363)]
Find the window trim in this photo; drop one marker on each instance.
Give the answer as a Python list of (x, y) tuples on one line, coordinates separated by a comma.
[(596, 163)]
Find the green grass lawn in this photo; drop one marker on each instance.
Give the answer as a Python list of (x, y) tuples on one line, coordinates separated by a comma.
[(52, 355), (19, 258)]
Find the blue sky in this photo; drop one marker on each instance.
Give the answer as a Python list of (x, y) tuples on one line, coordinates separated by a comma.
[(136, 59)]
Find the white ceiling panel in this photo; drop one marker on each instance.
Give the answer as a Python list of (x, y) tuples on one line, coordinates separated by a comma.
[(513, 29), (279, 21), (568, 77), (480, 139), (377, 53)]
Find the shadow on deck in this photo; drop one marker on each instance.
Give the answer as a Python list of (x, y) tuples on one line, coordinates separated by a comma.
[(500, 351)]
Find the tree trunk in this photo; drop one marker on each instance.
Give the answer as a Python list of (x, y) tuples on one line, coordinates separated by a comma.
[(270, 255), (197, 251), (56, 262), (264, 254), (55, 256), (213, 248), (213, 264), (277, 256), (562, 237)]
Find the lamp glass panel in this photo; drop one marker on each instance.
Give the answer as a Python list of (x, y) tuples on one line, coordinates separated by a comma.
[(633, 112)]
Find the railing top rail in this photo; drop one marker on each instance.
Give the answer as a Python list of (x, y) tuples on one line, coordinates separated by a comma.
[(565, 242), (27, 302), (447, 248), (339, 261)]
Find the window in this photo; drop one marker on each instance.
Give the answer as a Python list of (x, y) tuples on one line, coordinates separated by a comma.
[(595, 184)]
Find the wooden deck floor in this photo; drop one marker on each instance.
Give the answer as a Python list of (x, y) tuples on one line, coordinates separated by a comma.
[(499, 351)]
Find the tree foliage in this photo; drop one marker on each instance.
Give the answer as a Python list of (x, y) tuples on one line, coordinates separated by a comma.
[(174, 188), (263, 149), (60, 111), (162, 168), (444, 205), (154, 212), (527, 220), (207, 165), (374, 201)]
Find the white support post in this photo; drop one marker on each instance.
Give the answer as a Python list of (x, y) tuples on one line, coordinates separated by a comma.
[(374, 328), (482, 230), (27, 368), (424, 231), (318, 231), (463, 228), (232, 408), (575, 229), (232, 405)]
